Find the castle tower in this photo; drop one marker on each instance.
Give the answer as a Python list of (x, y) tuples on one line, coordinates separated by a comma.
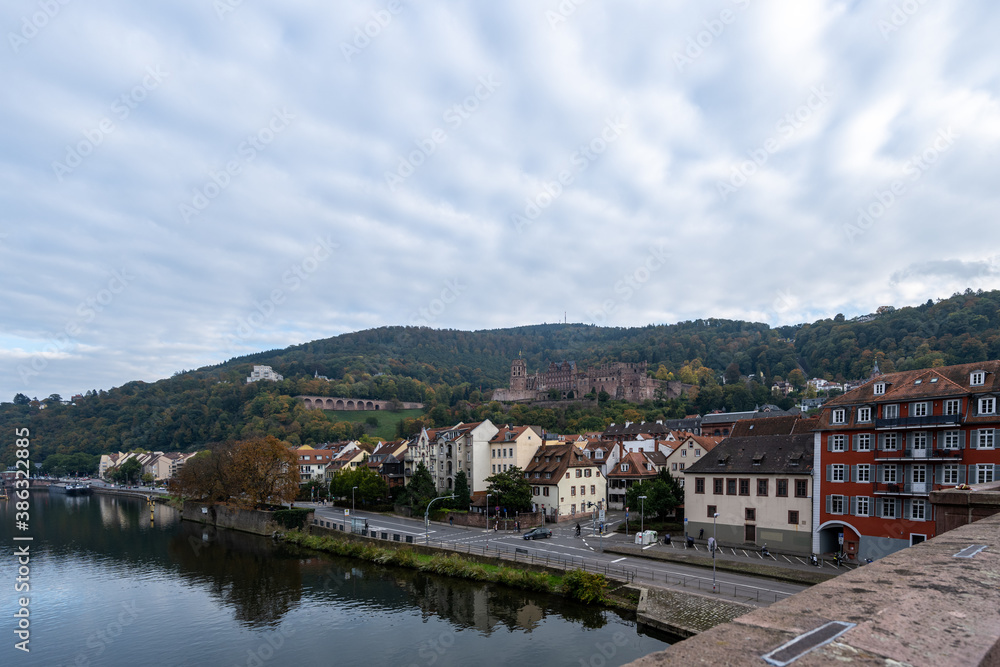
[(518, 375)]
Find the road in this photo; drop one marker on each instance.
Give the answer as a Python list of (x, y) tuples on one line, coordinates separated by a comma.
[(565, 545)]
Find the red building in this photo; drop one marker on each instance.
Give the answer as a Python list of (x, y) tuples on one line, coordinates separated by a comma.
[(884, 446)]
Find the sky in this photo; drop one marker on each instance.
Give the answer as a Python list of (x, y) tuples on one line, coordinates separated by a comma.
[(187, 182)]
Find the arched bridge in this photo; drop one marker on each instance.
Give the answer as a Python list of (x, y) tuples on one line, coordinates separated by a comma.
[(337, 403)]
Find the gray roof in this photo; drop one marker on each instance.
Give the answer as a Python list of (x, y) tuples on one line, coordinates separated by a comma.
[(760, 455)]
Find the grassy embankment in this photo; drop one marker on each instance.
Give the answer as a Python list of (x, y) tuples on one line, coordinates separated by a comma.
[(583, 586)]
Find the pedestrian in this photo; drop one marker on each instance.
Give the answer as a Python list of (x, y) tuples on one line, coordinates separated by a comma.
[(366, 524), (451, 521), (517, 526)]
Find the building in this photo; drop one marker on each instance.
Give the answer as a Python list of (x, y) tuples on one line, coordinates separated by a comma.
[(264, 373), (447, 450), (631, 468), (313, 462), (689, 451), (565, 483), (761, 488), (885, 446), (623, 381), (387, 461), (514, 446)]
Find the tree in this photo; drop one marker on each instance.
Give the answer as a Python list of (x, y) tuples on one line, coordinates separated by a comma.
[(129, 471), (148, 478), (21, 399), (510, 490), (420, 491), (463, 495), (261, 471)]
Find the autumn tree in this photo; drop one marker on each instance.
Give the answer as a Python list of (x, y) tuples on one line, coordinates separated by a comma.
[(261, 471)]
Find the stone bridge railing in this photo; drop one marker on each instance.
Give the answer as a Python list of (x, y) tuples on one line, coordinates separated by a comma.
[(338, 403)]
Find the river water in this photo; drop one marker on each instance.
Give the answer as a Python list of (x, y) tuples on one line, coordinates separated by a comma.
[(107, 588)]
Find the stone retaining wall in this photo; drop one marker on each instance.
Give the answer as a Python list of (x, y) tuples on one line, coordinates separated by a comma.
[(258, 522)]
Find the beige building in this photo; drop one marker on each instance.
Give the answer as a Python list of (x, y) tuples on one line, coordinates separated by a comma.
[(565, 482), (514, 446), (688, 451), (760, 486)]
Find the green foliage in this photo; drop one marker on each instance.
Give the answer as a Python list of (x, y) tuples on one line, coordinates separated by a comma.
[(294, 517), (588, 587), (463, 494), (509, 490), (128, 472), (70, 464), (420, 489), (663, 494), (371, 490)]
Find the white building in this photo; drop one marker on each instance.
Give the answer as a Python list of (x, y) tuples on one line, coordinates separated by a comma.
[(264, 373)]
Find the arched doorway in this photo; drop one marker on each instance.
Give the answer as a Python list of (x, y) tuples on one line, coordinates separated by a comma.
[(836, 536)]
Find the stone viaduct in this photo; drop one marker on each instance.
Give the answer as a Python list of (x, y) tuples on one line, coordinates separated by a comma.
[(335, 403)]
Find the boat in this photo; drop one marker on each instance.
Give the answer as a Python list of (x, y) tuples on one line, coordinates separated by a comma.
[(71, 489)]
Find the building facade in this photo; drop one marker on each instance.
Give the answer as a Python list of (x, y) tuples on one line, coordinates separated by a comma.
[(623, 381), (886, 445), (565, 483)]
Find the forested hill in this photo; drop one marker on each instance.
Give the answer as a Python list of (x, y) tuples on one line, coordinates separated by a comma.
[(448, 369)]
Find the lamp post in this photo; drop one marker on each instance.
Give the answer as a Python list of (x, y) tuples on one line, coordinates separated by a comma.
[(488, 513), (427, 518), (642, 513), (352, 502), (715, 545)]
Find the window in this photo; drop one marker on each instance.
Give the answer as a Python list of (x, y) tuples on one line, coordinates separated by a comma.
[(950, 473), (684, 452), (864, 442), (890, 411), (918, 409), (836, 473), (889, 474), (730, 487), (919, 474), (837, 443), (987, 405), (624, 467), (545, 491), (534, 490), (682, 465), (863, 472), (793, 517), (802, 488), (951, 439), (918, 509), (592, 487), (587, 472), (984, 473), (984, 439), (744, 487), (864, 414), (674, 466), (890, 442), (952, 406), (835, 504), (977, 379), (879, 388), (717, 486), (579, 473), (839, 416), (583, 490), (711, 511), (699, 485), (751, 514), (572, 490), (781, 488), (888, 508), (920, 440), (761, 487)]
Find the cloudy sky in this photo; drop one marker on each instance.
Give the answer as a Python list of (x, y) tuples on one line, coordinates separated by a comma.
[(185, 182)]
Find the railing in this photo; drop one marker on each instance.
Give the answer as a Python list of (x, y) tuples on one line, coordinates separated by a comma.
[(913, 422), (910, 453), (908, 488), (567, 562)]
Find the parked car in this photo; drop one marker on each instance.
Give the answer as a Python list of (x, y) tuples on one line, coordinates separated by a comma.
[(535, 533)]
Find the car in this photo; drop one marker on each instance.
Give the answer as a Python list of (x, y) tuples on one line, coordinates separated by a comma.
[(535, 533)]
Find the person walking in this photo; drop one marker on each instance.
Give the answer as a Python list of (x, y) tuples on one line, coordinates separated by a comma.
[(451, 521)]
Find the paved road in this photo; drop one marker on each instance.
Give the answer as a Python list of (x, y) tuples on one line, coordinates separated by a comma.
[(564, 544)]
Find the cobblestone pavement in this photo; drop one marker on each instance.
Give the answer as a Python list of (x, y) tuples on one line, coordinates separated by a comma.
[(696, 613)]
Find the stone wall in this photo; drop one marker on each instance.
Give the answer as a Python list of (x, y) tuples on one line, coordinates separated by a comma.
[(476, 520), (958, 507), (258, 522)]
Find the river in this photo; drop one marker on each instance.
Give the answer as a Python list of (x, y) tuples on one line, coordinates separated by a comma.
[(108, 588)]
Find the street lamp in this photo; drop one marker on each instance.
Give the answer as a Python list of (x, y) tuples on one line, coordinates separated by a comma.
[(427, 518), (642, 513), (488, 513), (715, 545), (352, 502)]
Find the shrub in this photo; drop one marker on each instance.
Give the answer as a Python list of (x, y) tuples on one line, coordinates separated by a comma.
[(585, 586), (292, 518)]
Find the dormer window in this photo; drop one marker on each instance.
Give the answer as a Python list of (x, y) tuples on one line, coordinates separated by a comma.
[(839, 416), (977, 378), (987, 405), (624, 467), (879, 388), (864, 414)]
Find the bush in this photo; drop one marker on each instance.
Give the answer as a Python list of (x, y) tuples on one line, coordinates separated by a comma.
[(586, 587), (292, 518)]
